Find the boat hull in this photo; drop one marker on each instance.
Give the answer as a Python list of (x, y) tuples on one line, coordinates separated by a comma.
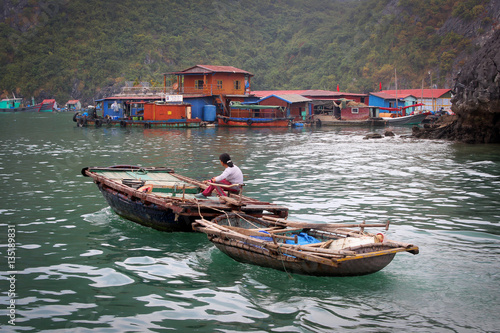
[(172, 205), (298, 266), (323, 249), (254, 122), (322, 120), (45, 106), (35, 108), (147, 215), (406, 120)]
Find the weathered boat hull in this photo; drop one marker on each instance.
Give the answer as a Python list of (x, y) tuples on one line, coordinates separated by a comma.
[(174, 207), (291, 264), (42, 107), (322, 120), (406, 120), (148, 215), (47, 106), (340, 252), (254, 122)]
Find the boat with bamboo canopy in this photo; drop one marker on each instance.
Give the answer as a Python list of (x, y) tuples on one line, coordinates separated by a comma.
[(159, 198), (320, 249)]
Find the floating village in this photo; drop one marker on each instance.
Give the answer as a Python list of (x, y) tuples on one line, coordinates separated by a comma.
[(205, 95), (246, 229)]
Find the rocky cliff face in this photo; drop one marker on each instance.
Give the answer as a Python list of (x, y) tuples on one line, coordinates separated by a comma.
[(476, 100)]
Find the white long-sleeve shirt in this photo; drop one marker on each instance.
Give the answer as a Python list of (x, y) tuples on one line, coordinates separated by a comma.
[(232, 175)]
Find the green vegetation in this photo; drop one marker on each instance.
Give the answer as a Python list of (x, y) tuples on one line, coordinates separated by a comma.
[(74, 49)]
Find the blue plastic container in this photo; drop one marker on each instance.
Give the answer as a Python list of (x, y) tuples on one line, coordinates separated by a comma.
[(209, 113)]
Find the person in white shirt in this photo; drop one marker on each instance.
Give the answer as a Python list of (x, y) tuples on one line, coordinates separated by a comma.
[(231, 175)]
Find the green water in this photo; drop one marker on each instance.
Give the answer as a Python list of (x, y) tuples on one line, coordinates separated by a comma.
[(80, 268)]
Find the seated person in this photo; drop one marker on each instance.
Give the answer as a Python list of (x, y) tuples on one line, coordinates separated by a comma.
[(231, 175)]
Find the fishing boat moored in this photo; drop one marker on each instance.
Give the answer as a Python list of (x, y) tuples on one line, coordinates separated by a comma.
[(304, 248), (15, 105), (159, 198), (254, 115), (413, 119)]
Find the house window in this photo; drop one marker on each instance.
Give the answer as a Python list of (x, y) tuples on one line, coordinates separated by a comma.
[(219, 84), (198, 84), (237, 85), (354, 110), (362, 100)]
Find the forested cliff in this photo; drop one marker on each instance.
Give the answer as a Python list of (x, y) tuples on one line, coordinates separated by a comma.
[(85, 49)]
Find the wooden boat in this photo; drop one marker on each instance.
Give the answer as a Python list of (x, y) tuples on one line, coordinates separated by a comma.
[(159, 198), (253, 115), (15, 105), (48, 105), (406, 120), (303, 248), (397, 116)]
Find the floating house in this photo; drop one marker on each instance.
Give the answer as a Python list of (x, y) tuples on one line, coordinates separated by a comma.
[(73, 105), (330, 104), (124, 106), (433, 99), (298, 107), (187, 98), (387, 101), (207, 86), (428, 99)]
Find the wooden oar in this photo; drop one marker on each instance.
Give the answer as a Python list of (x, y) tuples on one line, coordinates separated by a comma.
[(325, 226)]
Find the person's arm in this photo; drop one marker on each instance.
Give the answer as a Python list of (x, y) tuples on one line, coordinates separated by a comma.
[(222, 176)]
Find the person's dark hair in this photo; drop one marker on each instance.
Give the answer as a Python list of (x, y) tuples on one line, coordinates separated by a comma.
[(225, 158)]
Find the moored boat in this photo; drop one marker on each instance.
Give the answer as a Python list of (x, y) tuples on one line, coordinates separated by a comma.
[(414, 119), (304, 248), (159, 198), (48, 105), (15, 105), (254, 115)]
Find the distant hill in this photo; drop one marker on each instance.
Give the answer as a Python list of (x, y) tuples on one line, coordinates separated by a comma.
[(85, 49)]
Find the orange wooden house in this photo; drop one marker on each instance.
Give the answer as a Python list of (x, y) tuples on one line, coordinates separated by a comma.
[(208, 80), (203, 85)]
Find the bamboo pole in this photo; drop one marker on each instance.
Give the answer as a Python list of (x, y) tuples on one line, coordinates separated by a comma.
[(303, 248), (325, 226)]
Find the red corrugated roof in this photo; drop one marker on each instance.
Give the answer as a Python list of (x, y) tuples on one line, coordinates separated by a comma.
[(384, 95), (307, 93), (425, 93), (265, 93), (212, 69), (144, 98)]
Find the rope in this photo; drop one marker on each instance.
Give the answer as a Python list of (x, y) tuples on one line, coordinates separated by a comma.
[(283, 261)]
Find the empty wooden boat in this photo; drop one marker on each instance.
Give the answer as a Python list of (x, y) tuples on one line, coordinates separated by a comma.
[(302, 248)]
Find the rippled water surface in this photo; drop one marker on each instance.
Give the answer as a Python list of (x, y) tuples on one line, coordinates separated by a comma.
[(81, 267)]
